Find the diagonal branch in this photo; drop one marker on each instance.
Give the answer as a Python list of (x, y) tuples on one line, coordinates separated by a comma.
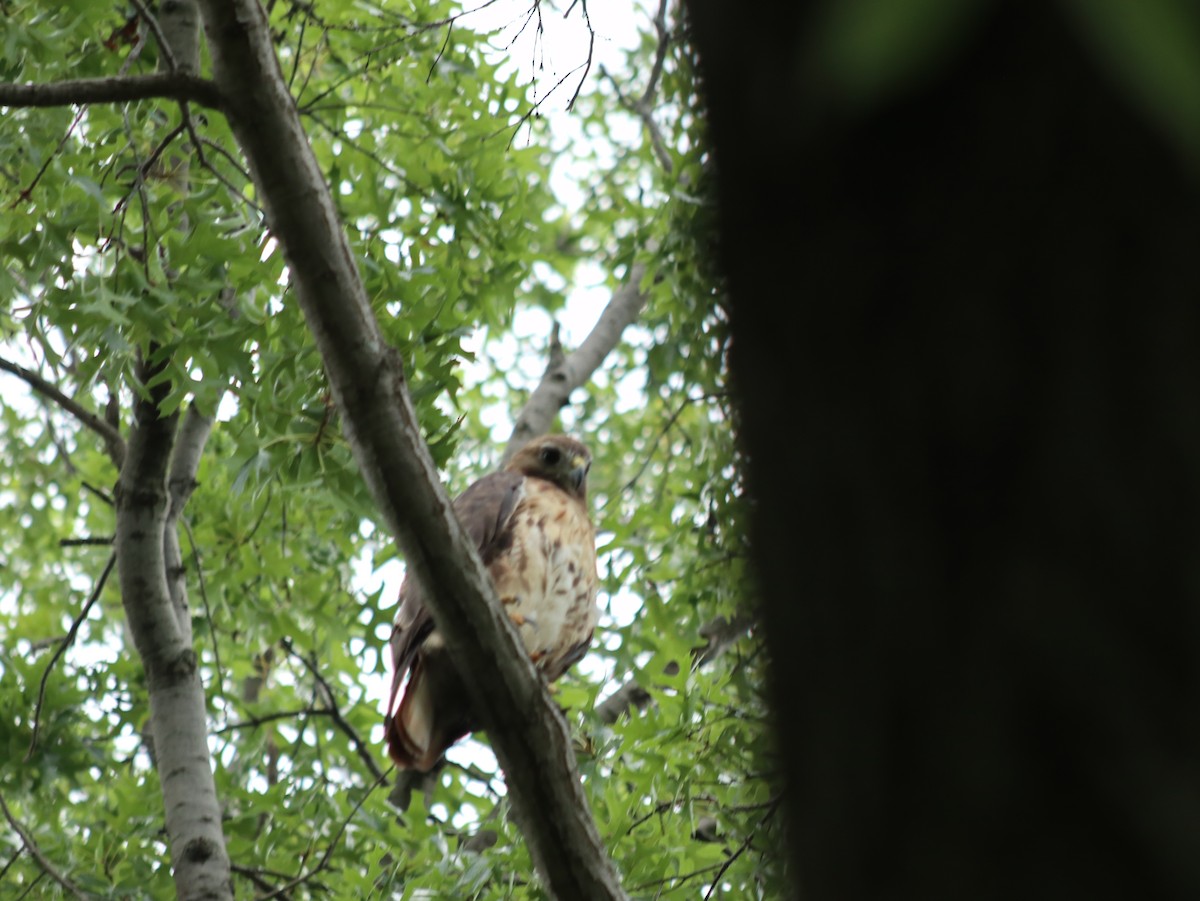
[(113, 89), (334, 713), (366, 378), (570, 372), (164, 45), (66, 642), (112, 437)]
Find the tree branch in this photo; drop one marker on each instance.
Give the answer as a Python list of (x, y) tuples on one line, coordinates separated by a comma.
[(323, 863), (335, 712), (164, 45), (112, 437), (66, 642), (577, 367), (113, 89), (366, 378), (43, 861)]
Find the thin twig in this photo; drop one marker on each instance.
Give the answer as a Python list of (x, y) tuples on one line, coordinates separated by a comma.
[(28, 192), (11, 861), (99, 492), (212, 627), (528, 114), (66, 643), (674, 417), (253, 875), (359, 71), (591, 50), (323, 863), (258, 721), (233, 161), (29, 888), (164, 46), (437, 59), (104, 540), (334, 713), (144, 167), (379, 161), (741, 849), (43, 861)]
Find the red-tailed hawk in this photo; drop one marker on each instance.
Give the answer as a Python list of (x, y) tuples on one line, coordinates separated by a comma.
[(530, 524)]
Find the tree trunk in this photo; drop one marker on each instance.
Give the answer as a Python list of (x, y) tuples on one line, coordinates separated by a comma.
[(199, 862), (965, 336)]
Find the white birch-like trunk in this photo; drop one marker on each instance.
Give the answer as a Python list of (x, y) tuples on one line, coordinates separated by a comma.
[(199, 861)]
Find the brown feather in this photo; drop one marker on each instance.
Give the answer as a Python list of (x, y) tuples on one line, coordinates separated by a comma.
[(529, 524)]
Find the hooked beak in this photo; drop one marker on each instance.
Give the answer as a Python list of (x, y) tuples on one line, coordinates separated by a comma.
[(579, 471)]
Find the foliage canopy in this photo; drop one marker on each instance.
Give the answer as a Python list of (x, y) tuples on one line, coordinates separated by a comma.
[(123, 237)]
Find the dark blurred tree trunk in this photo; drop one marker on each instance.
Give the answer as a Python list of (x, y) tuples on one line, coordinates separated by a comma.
[(967, 345)]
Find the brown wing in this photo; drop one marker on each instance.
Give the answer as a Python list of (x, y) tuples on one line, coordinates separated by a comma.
[(484, 510), (530, 526)]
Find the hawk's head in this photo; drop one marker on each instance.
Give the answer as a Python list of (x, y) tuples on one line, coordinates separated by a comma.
[(555, 458)]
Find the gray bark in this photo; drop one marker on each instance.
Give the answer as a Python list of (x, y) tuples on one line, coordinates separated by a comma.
[(113, 89)]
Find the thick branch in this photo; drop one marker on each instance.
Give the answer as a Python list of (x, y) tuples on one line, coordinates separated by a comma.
[(559, 381), (112, 89), (112, 437), (530, 736)]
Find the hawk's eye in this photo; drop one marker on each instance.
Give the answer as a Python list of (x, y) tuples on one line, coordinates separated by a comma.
[(551, 455)]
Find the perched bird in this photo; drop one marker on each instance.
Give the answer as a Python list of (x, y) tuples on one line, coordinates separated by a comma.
[(530, 523)]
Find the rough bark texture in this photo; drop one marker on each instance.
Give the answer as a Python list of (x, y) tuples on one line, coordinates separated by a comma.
[(566, 373), (974, 306), (529, 734), (177, 710)]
